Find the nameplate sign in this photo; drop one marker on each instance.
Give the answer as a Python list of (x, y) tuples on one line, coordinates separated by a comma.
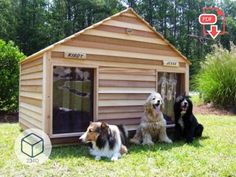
[(75, 55), (171, 63)]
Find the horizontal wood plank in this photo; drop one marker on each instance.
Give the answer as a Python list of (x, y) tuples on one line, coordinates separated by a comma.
[(32, 82), (32, 69), (107, 59), (101, 63), (127, 19), (125, 90), (116, 53), (124, 96), (31, 88), (116, 70), (31, 114), (28, 122), (98, 45), (126, 77), (120, 42), (133, 121), (36, 75), (31, 107), (31, 101), (136, 26), (124, 31), (182, 64), (113, 83), (126, 60), (120, 109), (33, 95), (35, 62), (128, 37), (119, 115), (121, 103), (25, 124), (30, 119)]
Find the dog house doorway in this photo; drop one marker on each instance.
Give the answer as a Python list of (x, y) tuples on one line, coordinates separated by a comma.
[(170, 85), (73, 99)]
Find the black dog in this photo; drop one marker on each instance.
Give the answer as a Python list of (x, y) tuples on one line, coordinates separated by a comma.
[(186, 124)]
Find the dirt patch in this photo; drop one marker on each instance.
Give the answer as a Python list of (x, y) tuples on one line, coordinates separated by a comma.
[(210, 109), (9, 117)]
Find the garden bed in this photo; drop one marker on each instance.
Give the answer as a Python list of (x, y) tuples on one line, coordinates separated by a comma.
[(9, 117), (206, 109)]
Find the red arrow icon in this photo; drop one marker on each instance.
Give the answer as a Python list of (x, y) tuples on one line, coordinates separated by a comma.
[(214, 31)]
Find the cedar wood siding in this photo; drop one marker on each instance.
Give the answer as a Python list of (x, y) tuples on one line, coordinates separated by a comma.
[(127, 65), (31, 93)]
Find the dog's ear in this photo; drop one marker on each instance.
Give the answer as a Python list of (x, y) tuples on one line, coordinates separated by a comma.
[(188, 97), (185, 95), (147, 106), (178, 99), (104, 125), (149, 98), (162, 104)]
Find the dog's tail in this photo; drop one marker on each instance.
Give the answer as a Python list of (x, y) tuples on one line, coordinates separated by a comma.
[(123, 134)]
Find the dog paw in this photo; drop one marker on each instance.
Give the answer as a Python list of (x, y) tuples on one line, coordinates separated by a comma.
[(97, 158), (135, 141), (169, 141), (189, 141), (148, 143), (114, 158), (123, 149)]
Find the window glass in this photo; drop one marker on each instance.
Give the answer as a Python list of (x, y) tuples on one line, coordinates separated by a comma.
[(72, 99)]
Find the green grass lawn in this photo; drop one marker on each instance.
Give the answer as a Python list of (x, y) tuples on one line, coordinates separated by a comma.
[(212, 155)]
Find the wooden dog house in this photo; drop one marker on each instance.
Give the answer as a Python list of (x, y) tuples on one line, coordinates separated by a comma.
[(102, 73)]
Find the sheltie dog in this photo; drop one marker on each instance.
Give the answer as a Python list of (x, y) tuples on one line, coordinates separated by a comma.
[(106, 140)]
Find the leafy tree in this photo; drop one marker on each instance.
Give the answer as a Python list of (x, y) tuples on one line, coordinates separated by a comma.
[(32, 25), (9, 75), (7, 20), (229, 8), (69, 16)]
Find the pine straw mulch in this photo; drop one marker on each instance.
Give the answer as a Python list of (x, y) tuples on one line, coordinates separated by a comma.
[(9, 117), (211, 109)]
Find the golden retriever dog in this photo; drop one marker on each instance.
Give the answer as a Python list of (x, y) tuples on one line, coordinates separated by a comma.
[(153, 124)]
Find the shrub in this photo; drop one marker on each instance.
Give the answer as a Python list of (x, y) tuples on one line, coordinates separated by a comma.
[(216, 80), (9, 76)]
